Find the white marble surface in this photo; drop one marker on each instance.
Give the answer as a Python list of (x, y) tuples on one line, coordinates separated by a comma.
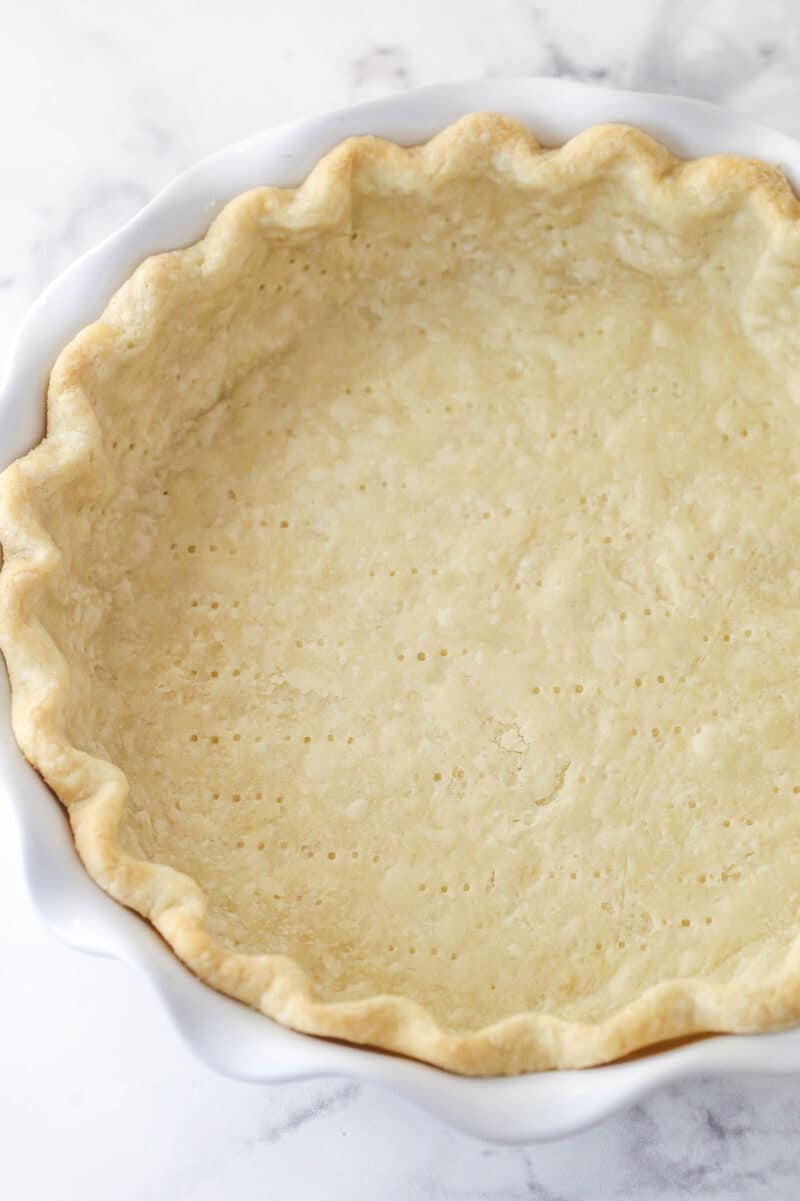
[(100, 104)]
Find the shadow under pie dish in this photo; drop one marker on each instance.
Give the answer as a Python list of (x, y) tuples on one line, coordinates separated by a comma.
[(402, 599)]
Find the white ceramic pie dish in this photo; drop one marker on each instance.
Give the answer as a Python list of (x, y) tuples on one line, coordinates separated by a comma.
[(225, 1034)]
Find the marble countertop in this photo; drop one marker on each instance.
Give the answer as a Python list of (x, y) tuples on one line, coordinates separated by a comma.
[(101, 105)]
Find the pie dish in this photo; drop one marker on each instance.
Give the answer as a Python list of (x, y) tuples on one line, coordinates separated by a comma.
[(401, 600)]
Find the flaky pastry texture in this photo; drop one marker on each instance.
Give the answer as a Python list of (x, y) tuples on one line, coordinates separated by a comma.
[(403, 600)]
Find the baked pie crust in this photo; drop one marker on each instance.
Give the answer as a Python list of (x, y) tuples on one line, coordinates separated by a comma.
[(403, 600)]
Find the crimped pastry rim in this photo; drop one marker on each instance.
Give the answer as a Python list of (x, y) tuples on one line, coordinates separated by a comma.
[(94, 790)]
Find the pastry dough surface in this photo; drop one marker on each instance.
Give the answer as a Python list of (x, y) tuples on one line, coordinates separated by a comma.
[(404, 600)]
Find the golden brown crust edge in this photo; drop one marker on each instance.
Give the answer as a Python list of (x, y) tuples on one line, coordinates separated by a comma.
[(94, 791)]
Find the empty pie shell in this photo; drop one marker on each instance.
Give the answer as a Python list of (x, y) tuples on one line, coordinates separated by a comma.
[(403, 601)]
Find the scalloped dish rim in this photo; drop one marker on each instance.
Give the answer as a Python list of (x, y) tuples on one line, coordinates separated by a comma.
[(174, 909)]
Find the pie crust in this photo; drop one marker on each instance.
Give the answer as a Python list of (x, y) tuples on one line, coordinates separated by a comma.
[(402, 601)]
